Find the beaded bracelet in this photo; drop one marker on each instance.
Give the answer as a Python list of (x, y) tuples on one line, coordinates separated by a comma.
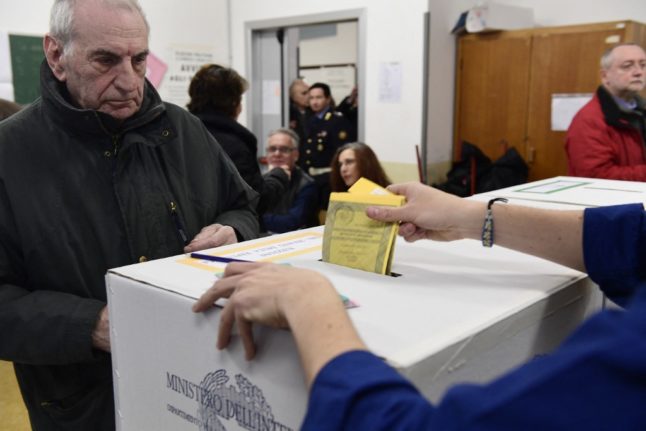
[(487, 227)]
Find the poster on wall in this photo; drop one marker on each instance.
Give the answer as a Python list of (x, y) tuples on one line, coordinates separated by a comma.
[(155, 69), (565, 107), (390, 82), (184, 62)]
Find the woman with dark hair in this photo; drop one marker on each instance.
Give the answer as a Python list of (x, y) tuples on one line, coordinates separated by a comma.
[(353, 161), (216, 99)]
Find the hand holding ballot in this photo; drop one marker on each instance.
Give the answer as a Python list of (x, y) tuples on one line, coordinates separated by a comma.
[(431, 214), (354, 240)]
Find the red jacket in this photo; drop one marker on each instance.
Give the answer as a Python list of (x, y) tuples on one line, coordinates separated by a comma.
[(604, 141)]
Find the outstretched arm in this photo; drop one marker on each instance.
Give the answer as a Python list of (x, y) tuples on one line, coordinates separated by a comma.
[(433, 214)]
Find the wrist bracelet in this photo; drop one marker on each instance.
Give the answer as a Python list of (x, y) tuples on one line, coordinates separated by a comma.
[(487, 227)]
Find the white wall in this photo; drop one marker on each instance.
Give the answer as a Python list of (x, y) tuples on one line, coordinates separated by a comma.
[(394, 34), (200, 24), (444, 14)]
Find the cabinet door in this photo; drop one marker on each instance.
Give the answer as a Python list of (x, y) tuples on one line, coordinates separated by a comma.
[(492, 89), (561, 63)]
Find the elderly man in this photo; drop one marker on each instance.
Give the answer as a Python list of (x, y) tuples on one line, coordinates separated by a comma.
[(97, 173), (298, 206), (299, 109), (607, 136)]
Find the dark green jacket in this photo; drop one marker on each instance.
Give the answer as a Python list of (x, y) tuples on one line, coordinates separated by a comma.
[(80, 194)]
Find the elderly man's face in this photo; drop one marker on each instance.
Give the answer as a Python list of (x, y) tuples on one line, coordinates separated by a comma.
[(626, 75), (106, 67), (281, 151)]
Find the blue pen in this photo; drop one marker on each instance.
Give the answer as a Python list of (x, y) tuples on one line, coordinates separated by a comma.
[(216, 258)]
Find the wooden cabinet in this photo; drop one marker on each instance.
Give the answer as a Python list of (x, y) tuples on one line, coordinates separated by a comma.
[(505, 82)]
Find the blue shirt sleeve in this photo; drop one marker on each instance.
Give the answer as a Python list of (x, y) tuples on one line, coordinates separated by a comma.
[(298, 215), (614, 249), (595, 380), (359, 391)]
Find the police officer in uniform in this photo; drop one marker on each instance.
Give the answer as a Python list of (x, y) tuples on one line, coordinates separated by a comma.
[(327, 131)]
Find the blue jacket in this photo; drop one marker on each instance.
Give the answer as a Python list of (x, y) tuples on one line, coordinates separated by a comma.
[(595, 381)]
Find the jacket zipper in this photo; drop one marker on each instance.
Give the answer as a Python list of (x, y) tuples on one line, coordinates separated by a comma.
[(178, 224), (115, 145)]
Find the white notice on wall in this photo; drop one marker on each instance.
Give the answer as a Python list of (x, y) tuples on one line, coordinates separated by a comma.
[(271, 97), (390, 82), (565, 107), (183, 62)]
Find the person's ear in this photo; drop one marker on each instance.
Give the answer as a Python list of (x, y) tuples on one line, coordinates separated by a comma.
[(54, 54)]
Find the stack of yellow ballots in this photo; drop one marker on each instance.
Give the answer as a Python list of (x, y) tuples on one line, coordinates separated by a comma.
[(353, 239)]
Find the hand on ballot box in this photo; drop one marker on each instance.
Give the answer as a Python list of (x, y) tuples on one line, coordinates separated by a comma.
[(278, 296)]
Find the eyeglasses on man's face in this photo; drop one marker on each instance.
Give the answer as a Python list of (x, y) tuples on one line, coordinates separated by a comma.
[(281, 150)]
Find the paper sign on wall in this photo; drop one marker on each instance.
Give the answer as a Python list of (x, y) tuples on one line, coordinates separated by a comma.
[(390, 82), (565, 107)]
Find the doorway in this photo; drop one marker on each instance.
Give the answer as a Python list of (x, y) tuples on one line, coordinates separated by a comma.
[(326, 48)]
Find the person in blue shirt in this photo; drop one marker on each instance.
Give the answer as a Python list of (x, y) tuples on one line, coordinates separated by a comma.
[(596, 380)]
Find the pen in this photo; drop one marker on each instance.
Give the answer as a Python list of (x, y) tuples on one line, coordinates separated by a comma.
[(216, 258)]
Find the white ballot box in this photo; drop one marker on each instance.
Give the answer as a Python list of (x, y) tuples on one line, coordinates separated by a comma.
[(454, 312), (583, 192)]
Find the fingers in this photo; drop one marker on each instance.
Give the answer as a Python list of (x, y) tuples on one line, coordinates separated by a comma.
[(220, 289), (408, 230), (246, 334), (224, 287), (226, 325), (236, 268), (211, 236), (388, 214), (227, 320), (401, 188)]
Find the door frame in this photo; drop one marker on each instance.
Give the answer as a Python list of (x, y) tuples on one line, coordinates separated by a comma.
[(317, 18)]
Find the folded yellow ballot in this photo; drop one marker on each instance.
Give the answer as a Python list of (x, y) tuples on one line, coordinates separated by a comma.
[(367, 187), (351, 238)]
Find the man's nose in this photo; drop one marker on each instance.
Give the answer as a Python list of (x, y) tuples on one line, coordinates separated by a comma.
[(127, 77)]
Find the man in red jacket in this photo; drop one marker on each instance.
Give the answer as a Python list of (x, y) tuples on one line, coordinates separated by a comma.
[(607, 136)]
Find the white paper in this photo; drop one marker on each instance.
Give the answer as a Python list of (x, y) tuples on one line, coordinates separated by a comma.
[(271, 97), (5, 60), (564, 107), (390, 82)]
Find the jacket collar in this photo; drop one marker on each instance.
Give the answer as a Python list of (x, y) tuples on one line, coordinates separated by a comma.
[(226, 124), (615, 115), (55, 95)]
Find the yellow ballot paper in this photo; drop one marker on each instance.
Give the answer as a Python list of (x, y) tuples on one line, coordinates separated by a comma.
[(351, 238)]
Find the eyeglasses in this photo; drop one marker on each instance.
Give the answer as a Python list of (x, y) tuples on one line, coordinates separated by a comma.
[(281, 150)]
